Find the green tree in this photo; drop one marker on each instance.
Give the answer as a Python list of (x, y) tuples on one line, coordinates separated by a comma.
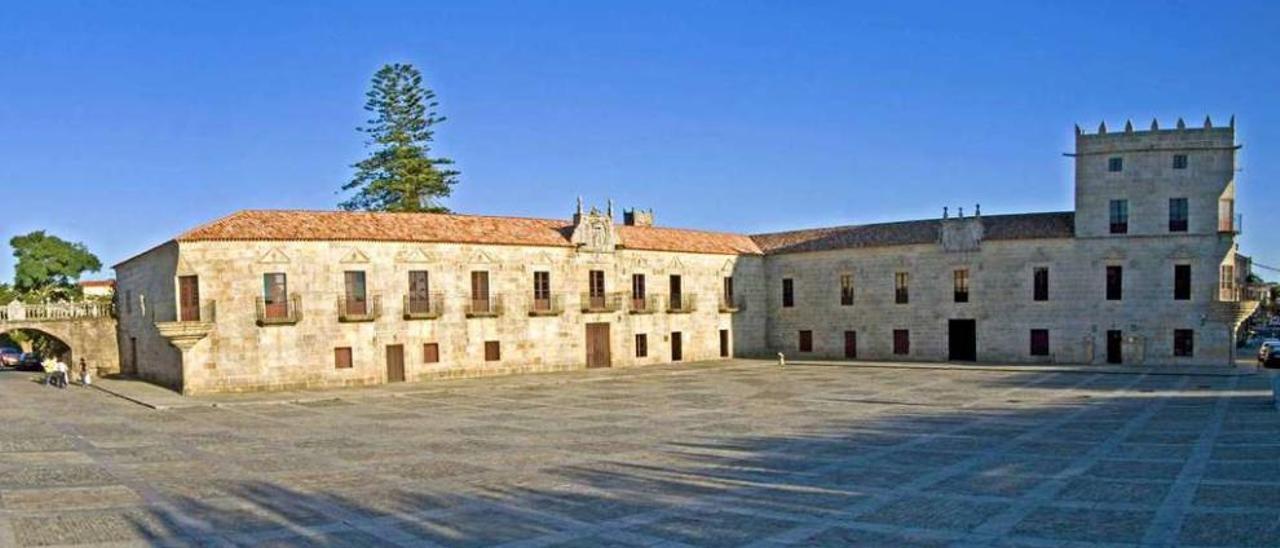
[(400, 174), (49, 266), (7, 294)]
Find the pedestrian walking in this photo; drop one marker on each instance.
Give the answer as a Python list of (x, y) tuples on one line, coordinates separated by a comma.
[(60, 373), (85, 377)]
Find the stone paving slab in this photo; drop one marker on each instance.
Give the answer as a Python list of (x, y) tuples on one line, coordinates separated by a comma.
[(725, 454)]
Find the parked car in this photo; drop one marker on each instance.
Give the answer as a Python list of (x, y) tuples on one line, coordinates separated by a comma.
[(10, 357), (31, 360), (1272, 361), (1264, 350)]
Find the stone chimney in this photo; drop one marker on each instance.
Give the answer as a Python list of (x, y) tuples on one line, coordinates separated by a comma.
[(637, 217)]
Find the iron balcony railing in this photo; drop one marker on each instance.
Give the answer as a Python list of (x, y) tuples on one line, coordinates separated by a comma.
[(547, 305), (601, 302), (488, 307), (730, 303), (423, 307), (682, 303), (352, 309), (645, 304), (286, 312)]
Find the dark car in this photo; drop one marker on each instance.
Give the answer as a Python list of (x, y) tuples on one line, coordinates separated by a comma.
[(1273, 359), (31, 360), (10, 357)]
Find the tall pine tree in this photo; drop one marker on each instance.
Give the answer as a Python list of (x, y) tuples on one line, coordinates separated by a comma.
[(400, 174)]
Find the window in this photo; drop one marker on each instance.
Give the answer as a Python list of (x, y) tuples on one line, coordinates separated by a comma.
[(728, 290), (492, 351), (1183, 342), (642, 345), (846, 290), (1039, 342), (1177, 214), (806, 341), (961, 281), (189, 298), (1226, 216), (342, 357), (356, 302), (788, 293), (595, 290), (1181, 282), (275, 291), (1227, 283), (419, 292), (480, 290), (542, 290), (677, 293), (1179, 161), (637, 292), (1119, 216), (431, 353), (900, 294), (901, 342), (1115, 283), (1115, 164), (1040, 284)]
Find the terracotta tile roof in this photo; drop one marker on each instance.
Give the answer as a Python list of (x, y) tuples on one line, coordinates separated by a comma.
[(995, 227), (428, 227)]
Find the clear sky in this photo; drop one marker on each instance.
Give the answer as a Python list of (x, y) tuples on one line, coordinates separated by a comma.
[(125, 123)]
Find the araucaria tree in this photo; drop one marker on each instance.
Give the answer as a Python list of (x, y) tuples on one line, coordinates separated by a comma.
[(400, 174), (49, 266)]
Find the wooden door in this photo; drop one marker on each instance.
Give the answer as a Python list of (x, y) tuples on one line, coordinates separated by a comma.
[(1114, 352), (189, 298), (724, 342), (598, 354), (480, 291), (851, 344), (395, 363), (677, 346)]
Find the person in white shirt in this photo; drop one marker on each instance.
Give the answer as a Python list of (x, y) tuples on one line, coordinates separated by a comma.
[(60, 370)]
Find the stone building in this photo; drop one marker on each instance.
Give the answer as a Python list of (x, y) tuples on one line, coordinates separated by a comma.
[(1144, 271)]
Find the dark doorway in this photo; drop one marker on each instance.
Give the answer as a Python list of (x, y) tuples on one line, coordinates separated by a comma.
[(962, 340), (724, 342), (1114, 352), (851, 344), (598, 345), (132, 368), (677, 347), (189, 298), (395, 363)]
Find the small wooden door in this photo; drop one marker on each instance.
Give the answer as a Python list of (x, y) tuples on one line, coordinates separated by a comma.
[(189, 298), (395, 363), (724, 342), (480, 291), (598, 345), (677, 346), (851, 344), (1114, 352)]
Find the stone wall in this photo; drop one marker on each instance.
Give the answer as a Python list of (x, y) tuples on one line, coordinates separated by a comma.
[(145, 294), (239, 354)]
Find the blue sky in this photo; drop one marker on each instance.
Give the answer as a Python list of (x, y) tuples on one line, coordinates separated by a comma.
[(125, 123)]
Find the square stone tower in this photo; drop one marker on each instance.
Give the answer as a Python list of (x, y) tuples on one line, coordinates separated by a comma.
[(1158, 182)]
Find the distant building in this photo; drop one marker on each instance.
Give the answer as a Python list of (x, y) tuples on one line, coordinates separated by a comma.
[(98, 288), (1144, 271)]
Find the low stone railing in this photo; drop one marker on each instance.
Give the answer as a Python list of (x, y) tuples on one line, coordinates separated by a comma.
[(18, 311)]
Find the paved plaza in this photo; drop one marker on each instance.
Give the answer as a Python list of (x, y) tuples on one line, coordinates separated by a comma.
[(724, 454)]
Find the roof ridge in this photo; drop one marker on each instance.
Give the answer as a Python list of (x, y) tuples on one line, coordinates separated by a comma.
[(450, 214), (885, 223)]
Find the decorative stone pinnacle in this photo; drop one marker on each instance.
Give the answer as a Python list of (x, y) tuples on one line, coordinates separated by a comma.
[(1128, 126), (1181, 124), (1155, 125), (1102, 128), (1208, 124)]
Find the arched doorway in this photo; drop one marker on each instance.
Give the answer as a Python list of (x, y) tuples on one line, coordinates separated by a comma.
[(41, 343)]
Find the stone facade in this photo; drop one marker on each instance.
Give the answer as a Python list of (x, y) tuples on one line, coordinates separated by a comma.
[(219, 340)]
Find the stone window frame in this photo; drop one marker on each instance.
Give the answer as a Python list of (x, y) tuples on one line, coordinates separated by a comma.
[(431, 350), (902, 287), (642, 345), (1179, 205), (960, 281), (1035, 283), (788, 292), (492, 351), (1115, 164), (1119, 287), (1181, 161), (1118, 216), (848, 291)]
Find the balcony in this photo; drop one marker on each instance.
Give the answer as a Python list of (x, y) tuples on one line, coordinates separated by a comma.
[(596, 303), (550, 305), (193, 325), (1234, 304), (359, 310), (1231, 224), (286, 312), (423, 307), (730, 304), (643, 305), (490, 307), (682, 303)]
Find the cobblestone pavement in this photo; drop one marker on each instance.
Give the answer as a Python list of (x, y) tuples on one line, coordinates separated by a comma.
[(731, 454)]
